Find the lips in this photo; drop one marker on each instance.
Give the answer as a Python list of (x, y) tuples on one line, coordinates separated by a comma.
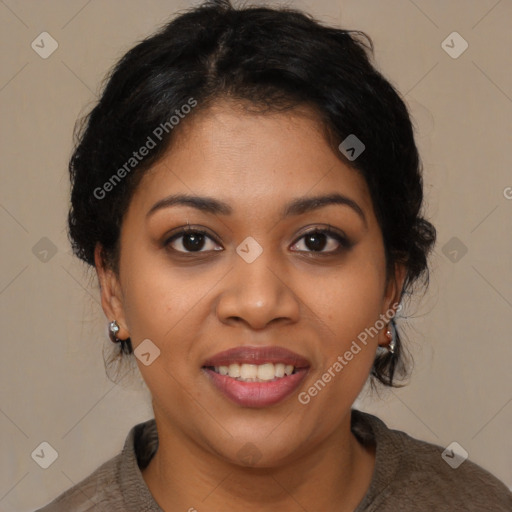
[(256, 392), (258, 356)]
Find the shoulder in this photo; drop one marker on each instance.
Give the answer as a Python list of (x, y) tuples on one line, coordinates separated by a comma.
[(413, 475), (99, 491), (117, 485), (431, 478)]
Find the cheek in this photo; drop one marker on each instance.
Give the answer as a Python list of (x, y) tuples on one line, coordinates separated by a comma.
[(347, 350), (162, 304), (157, 296), (347, 304), (350, 300)]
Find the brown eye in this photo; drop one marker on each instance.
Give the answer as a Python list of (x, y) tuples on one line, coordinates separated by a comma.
[(325, 241), (191, 240)]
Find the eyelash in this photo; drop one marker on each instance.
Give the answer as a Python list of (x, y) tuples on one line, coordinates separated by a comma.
[(345, 244)]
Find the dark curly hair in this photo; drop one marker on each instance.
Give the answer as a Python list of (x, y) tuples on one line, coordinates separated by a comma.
[(272, 59)]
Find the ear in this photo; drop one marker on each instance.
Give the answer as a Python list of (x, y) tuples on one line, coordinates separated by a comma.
[(111, 293), (394, 287)]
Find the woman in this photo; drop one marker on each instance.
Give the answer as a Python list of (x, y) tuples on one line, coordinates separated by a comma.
[(249, 191)]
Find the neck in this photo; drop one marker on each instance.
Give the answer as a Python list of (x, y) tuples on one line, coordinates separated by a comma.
[(333, 476)]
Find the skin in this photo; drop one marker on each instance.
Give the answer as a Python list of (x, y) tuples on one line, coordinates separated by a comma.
[(196, 304)]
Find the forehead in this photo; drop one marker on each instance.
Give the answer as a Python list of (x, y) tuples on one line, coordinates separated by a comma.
[(251, 160)]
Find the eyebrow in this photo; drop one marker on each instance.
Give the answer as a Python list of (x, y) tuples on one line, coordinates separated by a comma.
[(298, 206)]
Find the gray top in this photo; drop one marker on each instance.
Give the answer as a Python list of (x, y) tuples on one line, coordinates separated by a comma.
[(409, 476)]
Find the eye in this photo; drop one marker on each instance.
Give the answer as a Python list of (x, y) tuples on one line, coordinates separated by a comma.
[(323, 241), (316, 240), (192, 240)]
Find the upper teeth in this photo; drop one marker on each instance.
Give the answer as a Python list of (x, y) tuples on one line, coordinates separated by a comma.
[(253, 372)]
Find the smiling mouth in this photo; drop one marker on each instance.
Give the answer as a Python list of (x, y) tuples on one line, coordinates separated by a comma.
[(256, 376), (244, 372)]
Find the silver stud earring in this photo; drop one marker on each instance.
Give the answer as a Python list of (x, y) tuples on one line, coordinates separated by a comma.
[(391, 335), (113, 329)]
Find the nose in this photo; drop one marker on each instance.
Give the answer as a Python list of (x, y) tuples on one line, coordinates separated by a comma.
[(258, 293)]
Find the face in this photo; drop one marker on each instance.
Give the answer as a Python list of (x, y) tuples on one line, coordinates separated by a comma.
[(260, 267)]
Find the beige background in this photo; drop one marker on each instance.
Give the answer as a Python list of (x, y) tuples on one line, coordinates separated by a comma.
[(54, 386)]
